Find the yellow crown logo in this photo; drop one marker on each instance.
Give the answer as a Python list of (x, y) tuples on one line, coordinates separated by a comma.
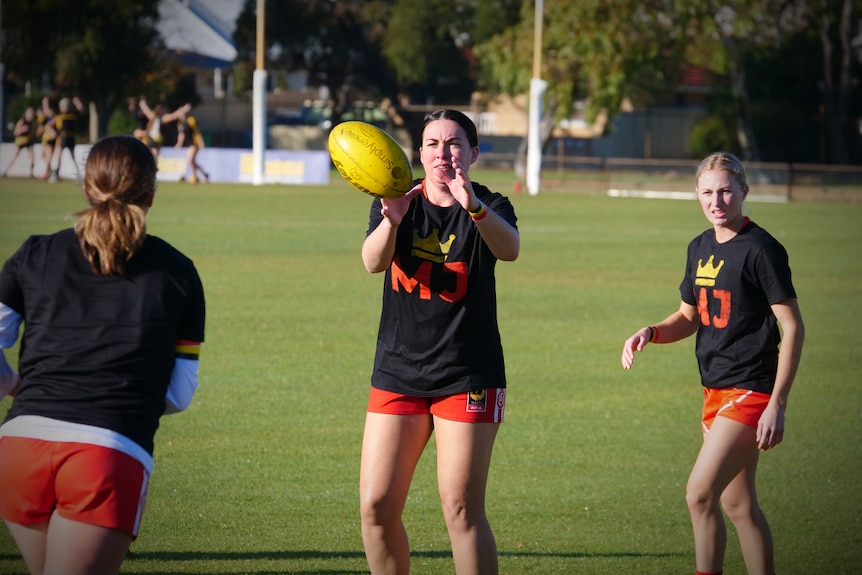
[(431, 248), (706, 274)]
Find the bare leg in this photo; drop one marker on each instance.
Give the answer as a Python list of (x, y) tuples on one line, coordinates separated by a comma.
[(32, 540), (391, 447), (463, 459), (47, 156), (58, 153), (12, 161), (32, 159), (739, 501), (190, 160), (74, 162), (66, 547), (81, 549), (193, 163), (727, 450)]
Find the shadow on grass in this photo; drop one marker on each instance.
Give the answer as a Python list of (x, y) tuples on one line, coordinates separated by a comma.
[(311, 554), (191, 556), (183, 556)]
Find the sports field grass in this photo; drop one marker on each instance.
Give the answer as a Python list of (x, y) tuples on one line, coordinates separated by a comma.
[(260, 475)]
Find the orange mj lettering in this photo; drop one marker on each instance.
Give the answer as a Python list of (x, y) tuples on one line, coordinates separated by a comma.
[(706, 275), (422, 279), (719, 321)]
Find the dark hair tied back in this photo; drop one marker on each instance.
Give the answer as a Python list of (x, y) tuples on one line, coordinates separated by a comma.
[(458, 117)]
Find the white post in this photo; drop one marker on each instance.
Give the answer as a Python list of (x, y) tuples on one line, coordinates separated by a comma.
[(258, 120), (534, 140), (537, 92), (258, 125)]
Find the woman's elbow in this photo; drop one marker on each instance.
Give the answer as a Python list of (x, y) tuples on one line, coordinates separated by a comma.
[(372, 264), (509, 255), (510, 251)]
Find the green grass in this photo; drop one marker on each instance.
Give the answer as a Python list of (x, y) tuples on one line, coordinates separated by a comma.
[(260, 475)]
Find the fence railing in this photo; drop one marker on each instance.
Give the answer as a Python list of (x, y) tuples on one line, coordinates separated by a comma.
[(777, 182)]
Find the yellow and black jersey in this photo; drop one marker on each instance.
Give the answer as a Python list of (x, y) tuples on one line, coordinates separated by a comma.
[(24, 139), (47, 128), (67, 124), (190, 128)]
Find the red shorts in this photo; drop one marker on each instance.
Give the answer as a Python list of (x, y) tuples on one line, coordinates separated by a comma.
[(742, 405), (86, 483), (480, 406)]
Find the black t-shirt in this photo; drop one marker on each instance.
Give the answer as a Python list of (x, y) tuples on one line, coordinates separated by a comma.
[(438, 326), (100, 350), (733, 285)]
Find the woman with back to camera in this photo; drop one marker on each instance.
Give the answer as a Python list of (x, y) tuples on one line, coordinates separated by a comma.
[(736, 292), (113, 323), (439, 361)]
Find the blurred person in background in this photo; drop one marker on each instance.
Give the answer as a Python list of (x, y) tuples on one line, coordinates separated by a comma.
[(189, 134), (25, 134), (67, 124), (156, 118), (141, 120), (47, 131)]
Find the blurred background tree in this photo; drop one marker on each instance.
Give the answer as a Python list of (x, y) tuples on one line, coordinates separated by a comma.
[(100, 50), (784, 75)]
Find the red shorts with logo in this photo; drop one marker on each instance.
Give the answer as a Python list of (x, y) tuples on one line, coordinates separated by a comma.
[(742, 405), (478, 406), (86, 483)]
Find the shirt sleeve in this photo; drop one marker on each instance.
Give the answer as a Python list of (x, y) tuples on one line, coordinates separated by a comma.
[(184, 378), (187, 348), (773, 271)]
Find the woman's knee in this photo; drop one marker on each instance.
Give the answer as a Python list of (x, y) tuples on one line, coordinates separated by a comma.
[(378, 509), (461, 512), (740, 508), (699, 497)]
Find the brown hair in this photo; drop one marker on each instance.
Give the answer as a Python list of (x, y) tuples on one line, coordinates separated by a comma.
[(119, 183), (726, 162)]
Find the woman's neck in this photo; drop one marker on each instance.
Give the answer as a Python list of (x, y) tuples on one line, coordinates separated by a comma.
[(437, 194), (726, 233)]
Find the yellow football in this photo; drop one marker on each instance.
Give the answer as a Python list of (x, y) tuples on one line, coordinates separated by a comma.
[(371, 160)]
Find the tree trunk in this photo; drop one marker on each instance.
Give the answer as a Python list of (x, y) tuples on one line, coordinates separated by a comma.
[(836, 99), (741, 103)]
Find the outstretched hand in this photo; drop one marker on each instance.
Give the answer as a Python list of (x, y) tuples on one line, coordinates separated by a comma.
[(459, 184), (395, 208)]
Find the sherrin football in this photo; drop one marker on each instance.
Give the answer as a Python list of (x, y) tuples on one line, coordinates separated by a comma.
[(370, 159)]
